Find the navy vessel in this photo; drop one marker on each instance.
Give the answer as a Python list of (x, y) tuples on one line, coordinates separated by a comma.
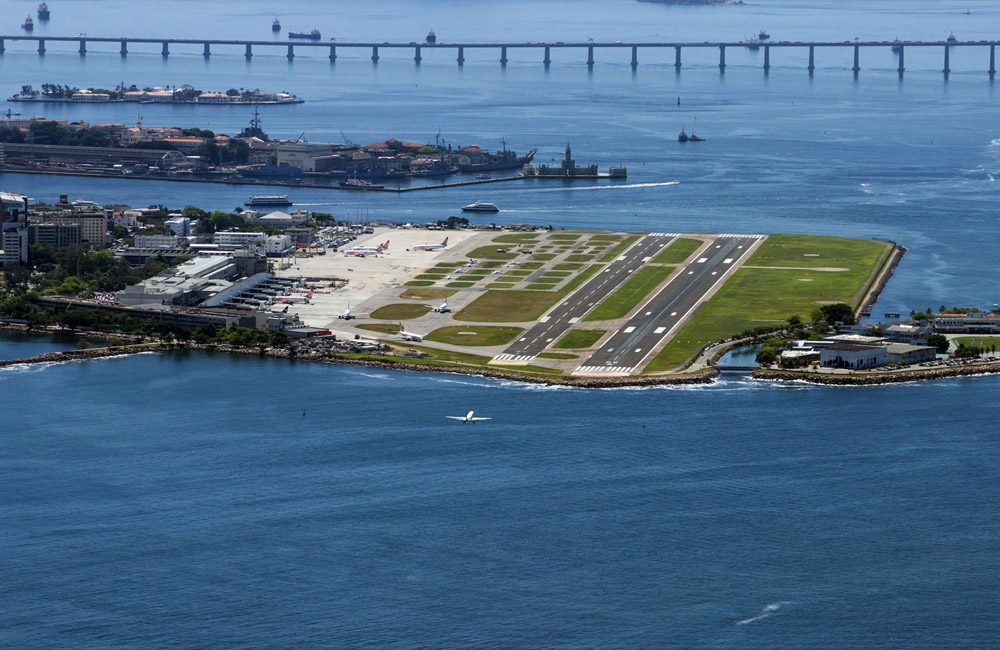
[(481, 161)]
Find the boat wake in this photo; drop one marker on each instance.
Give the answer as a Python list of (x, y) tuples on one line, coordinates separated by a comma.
[(767, 612), (627, 186)]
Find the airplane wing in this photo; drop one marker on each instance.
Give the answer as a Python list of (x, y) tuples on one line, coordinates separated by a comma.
[(478, 419), (455, 417)]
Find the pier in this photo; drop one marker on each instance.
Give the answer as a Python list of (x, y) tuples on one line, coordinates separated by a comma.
[(848, 53)]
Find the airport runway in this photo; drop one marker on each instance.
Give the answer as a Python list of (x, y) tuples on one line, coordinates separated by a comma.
[(627, 348), (570, 310)]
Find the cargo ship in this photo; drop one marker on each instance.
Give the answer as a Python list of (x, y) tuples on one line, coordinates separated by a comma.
[(275, 200), (28, 24), (314, 35), (481, 161)]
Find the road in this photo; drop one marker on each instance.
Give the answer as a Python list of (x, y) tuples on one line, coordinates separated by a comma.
[(628, 348), (576, 305)]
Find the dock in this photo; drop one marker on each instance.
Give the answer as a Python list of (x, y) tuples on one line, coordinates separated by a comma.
[(847, 52)]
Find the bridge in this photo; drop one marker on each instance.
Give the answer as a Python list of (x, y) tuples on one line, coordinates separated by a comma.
[(545, 49)]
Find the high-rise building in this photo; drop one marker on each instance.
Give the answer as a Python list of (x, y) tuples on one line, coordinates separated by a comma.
[(13, 229)]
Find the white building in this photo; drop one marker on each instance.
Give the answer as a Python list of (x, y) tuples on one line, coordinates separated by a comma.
[(301, 155), (277, 244), (975, 323), (156, 241), (853, 356), (179, 226), (240, 239)]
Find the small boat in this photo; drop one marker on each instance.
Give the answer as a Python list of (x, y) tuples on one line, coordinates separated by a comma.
[(314, 35), (279, 199), (432, 37), (897, 46), (683, 136), (358, 184), (43, 12), (763, 35), (28, 24), (482, 177), (276, 25), (480, 206), (951, 38)]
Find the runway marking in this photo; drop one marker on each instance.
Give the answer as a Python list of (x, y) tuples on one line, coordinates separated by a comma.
[(702, 260), (690, 272), (548, 340), (574, 320), (659, 330), (715, 272), (638, 349), (629, 329), (646, 259), (728, 260), (523, 338), (521, 358), (543, 319), (611, 370), (673, 313), (649, 313)]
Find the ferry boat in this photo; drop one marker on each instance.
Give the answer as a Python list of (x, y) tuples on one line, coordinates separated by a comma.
[(480, 206), (358, 184), (28, 24), (431, 37), (43, 12), (314, 35), (276, 26), (275, 200)]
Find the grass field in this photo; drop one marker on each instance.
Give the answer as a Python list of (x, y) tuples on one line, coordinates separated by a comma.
[(985, 342), (400, 311), (419, 283), (678, 251), (483, 335), (579, 339), (761, 297), (507, 306), (517, 238), (629, 294), (556, 355), (620, 248), (490, 253), (383, 328), (426, 294)]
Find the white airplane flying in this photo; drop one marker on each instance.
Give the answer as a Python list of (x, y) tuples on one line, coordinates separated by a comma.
[(443, 308), (409, 336), (467, 418), (431, 247), (365, 251)]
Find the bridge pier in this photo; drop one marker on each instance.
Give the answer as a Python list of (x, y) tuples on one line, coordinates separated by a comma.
[(590, 56), (947, 63), (375, 54), (722, 58), (291, 52), (41, 46), (993, 58), (812, 59), (416, 55), (902, 66), (857, 59), (207, 51), (635, 56), (3, 47), (503, 55), (83, 47), (461, 55), (677, 57), (124, 48), (767, 58), (548, 59), (333, 53), (248, 52), (165, 50)]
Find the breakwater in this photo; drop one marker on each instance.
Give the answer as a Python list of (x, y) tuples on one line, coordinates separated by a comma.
[(847, 53), (873, 378)]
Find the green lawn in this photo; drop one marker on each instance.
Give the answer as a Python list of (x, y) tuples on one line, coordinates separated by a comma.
[(529, 265), (561, 237), (383, 328), (498, 306), (579, 339), (474, 335), (567, 266), (986, 342), (677, 251), (501, 285), (400, 311), (556, 355), (517, 238), (756, 297), (491, 253), (460, 285), (577, 257), (630, 294), (543, 257), (426, 294), (419, 283)]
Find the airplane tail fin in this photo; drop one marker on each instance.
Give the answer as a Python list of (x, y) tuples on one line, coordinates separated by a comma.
[(468, 416), (445, 242), (401, 328)]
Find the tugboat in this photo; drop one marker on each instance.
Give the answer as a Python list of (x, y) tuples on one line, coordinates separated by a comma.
[(480, 206), (311, 36), (763, 35), (43, 12), (28, 24), (276, 26), (431, 37)]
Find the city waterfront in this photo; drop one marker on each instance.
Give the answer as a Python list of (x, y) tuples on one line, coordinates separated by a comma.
[(188, 499)]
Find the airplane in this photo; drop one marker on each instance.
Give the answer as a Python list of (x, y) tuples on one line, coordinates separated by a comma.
[(443, 308), (467, 418), (431, 247), (409, 336), (364, 251), (348, 314)]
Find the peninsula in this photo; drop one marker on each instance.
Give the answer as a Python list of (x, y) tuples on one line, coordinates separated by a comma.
[(186, 94)]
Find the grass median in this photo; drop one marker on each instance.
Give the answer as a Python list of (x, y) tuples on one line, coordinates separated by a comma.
[(631, 293), (678, 251), (481, 335)]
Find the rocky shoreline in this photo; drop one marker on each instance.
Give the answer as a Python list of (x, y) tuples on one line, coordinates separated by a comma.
[(869, 378)]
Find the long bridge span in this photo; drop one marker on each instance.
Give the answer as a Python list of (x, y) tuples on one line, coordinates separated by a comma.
[(589, 49)]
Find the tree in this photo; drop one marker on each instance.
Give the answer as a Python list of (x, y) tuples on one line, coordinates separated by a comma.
[(794, 321), (837, 313), (940, 341), (767, 355)]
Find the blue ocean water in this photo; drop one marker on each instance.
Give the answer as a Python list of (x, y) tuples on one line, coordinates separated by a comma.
[(190, 501), (21, 346), (237, 502)]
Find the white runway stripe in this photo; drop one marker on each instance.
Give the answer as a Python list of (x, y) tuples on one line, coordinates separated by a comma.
[(514, 357), (611, 370)]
